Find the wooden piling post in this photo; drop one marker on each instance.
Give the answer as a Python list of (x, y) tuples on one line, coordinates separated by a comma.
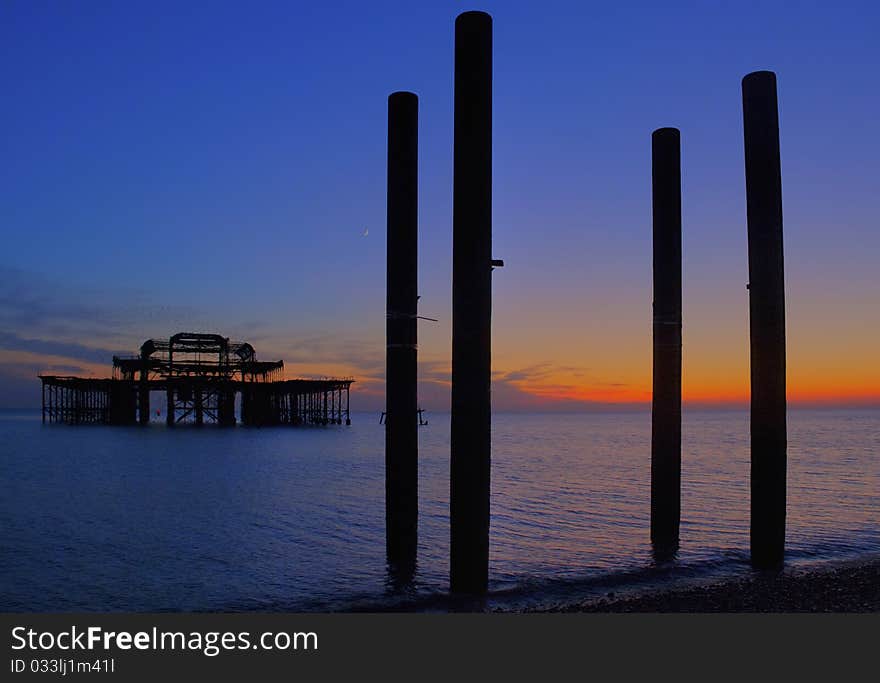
[(666, 396), (767, 318), (471, 304), (401, 427)]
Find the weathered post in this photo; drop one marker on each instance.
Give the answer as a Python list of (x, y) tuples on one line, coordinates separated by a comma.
[(666, 397), (471, 304), (401, 426), (767, 318)]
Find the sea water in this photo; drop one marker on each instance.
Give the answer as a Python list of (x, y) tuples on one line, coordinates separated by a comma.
[(204, 519)]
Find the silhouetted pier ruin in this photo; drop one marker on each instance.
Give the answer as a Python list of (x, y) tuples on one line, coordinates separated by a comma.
[(201, 376)]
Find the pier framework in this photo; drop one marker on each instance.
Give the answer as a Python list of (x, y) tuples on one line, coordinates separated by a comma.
[(203, 377)]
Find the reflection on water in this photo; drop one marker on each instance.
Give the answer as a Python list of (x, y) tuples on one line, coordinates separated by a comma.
[(143, 519)]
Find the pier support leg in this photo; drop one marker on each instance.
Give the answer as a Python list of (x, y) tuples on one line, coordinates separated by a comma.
[(169, 410), (144, 391), (471, 304), (226, 407), (767, 318), (198, 404), (401, 427), (666, 396), (143, 404)]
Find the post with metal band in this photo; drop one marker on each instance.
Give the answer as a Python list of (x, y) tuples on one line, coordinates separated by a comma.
[(666, 396), (471, 304), (401, 402), (766, 318)]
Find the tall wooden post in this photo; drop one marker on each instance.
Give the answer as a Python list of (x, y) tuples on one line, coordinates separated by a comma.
[(767, 318), (666, 397), (471, 304), (401, 427)]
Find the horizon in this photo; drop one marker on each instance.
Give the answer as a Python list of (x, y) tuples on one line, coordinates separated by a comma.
[(576, 409), (240, 189)]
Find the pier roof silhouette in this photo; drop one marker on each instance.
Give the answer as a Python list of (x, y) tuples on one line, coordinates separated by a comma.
[(197, 354)]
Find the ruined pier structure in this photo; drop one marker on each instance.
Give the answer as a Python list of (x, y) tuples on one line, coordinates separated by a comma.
[(200, 376)]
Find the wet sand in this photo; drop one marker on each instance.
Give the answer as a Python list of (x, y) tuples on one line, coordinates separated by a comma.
[(845, 587)]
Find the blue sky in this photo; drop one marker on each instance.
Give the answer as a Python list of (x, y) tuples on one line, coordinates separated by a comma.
[(212, 166)]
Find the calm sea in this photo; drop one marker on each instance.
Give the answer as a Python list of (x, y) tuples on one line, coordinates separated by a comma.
[(115, 518)]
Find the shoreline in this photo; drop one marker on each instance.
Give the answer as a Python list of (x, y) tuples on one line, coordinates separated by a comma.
[(851, 586)]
